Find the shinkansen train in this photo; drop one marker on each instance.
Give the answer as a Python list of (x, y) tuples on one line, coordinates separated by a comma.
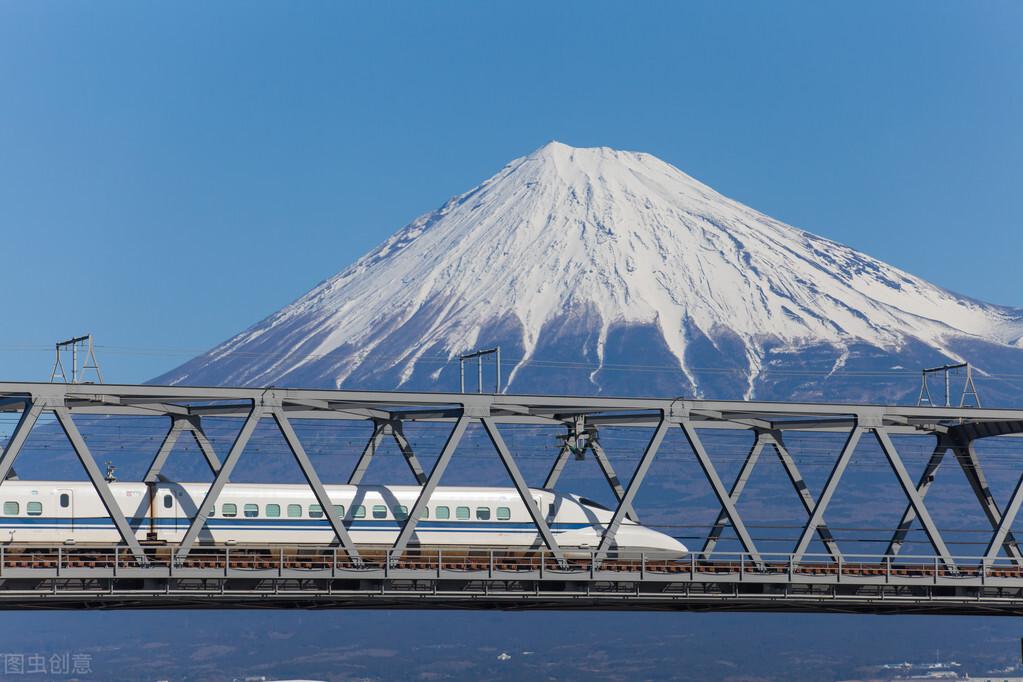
[(64, 512)]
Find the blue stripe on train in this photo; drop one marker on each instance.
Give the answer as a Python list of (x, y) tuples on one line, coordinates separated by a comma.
[(94, 523)]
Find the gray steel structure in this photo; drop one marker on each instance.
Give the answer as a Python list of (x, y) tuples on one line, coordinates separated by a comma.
[(133, 575)]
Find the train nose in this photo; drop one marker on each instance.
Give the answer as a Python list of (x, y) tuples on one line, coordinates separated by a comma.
[(651, 541)]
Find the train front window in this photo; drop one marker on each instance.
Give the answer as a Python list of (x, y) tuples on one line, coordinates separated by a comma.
[(229, 509), (251, 511), (587, 502), (11, 508), (273, 511), (34, 508)]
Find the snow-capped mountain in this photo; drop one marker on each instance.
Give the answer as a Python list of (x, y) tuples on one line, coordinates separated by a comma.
[(599, 270)]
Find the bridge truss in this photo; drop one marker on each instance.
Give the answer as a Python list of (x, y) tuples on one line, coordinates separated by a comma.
[(132, 574)]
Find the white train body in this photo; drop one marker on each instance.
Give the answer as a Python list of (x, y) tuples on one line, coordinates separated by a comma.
[(62, 511)]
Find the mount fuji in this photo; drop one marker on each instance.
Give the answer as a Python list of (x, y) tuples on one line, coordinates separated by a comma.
[(604, 271)]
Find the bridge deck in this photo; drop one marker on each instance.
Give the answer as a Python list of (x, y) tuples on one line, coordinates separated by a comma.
[(32, 576)]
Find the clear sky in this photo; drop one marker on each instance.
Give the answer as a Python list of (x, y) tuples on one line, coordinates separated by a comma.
[(170, 174)]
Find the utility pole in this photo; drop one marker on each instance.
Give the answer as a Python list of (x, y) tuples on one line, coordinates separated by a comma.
[(90, 363), (969, 388), (478, 357)]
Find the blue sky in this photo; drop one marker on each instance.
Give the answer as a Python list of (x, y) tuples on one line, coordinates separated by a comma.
[(171, 174)]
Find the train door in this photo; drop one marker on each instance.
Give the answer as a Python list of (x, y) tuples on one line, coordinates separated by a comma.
[(65, 512), (168, 511)]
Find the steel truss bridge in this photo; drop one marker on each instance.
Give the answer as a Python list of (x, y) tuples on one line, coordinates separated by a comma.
[(135, 575)]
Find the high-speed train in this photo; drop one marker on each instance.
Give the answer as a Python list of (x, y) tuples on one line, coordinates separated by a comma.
[(63, 512)]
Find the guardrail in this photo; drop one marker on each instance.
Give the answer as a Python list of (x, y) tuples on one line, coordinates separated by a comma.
[(311, 562)]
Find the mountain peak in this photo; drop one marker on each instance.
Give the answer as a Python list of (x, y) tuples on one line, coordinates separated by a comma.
[(570, 253)]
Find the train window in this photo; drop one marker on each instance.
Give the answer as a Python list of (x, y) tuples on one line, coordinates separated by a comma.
[(65, 500), (425, 514), (294, 511), (400, 512), (273, 511), (483, 513), (34, 508), (359, 511), (379, 511), (315, 511), (229, 509), (503, 513), (443, 512), (461, 513), (11, 508), (251, 511), (168, 501), (339, 511)]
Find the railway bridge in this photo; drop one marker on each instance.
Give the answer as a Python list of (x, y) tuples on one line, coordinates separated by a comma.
[(727, 569)]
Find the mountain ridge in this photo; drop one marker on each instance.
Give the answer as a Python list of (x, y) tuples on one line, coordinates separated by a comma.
[(580, 255)]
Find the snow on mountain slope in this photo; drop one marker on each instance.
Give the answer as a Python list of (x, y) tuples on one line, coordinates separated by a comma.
[(568, 256)]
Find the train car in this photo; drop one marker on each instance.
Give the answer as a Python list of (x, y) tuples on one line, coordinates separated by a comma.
[(72, 512)]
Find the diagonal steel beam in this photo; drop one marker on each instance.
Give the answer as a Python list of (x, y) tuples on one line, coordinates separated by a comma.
[(922, 486), (99, 483), (558, 467), (205, 446), (295, 445), (219, 481), (1008, 518), (409, 527), (740, 483), (28, 419), (966, 454), (407, 452), (719, 491), (609, 474), (520, 485), (799, 483), (630, 492), (914, 497), (367, 454), (178, 426), (817, 515)]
